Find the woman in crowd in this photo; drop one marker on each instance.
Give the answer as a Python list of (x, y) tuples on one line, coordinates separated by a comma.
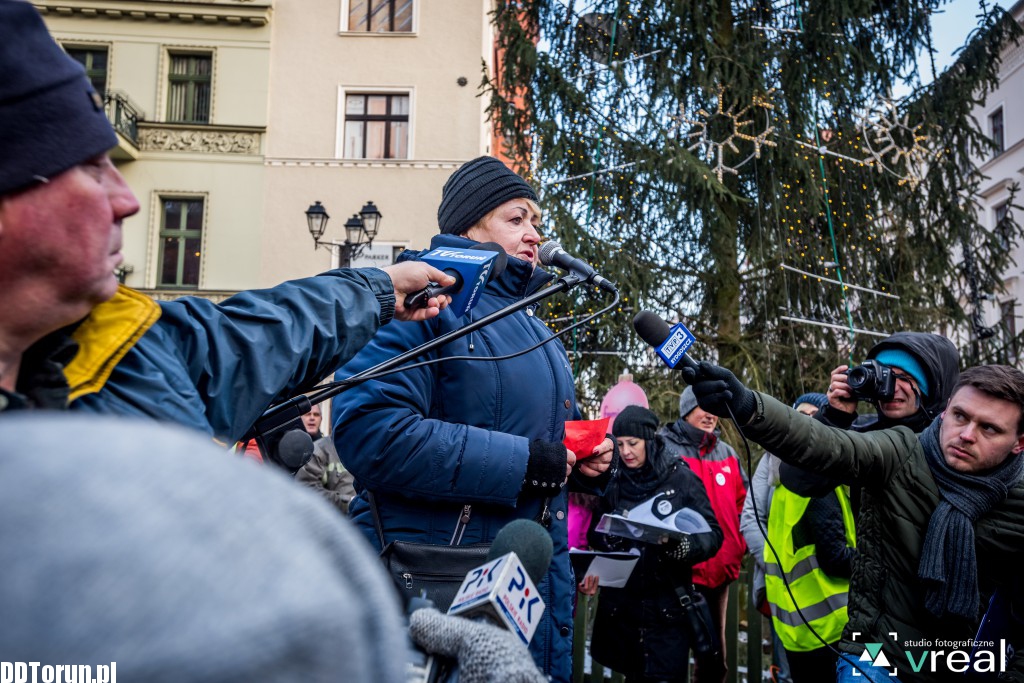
[(429, 441), (640, 629)]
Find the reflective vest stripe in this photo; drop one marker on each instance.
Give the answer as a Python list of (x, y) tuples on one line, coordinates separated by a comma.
[(821, 598), (811, 612)]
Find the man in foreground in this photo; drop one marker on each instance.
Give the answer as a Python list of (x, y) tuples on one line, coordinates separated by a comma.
[(942, 522), (71, 337)]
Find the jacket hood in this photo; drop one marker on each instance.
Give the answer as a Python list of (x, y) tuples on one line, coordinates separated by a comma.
[(941, 363), (518, 279)]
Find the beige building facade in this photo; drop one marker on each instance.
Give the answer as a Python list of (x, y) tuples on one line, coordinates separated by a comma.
[(371, 100), (234, 116), (187, 90), (1001, 116)]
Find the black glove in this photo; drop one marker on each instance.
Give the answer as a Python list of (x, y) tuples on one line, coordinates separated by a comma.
[(717, 390), (545, 470), (677, 549)]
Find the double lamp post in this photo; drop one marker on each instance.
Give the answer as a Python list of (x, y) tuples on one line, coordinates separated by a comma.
[(360, 230)]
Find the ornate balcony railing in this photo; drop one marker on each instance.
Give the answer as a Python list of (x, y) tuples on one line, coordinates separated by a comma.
[(124, 115)]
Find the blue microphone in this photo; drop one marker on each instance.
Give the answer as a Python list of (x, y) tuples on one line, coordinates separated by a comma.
[(670, 343), (472, 270)]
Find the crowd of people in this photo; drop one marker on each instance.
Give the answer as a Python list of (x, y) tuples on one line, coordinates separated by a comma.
[(881, 534)]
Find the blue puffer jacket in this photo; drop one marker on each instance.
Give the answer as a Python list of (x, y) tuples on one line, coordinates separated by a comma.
[(217, 367), (427, 441)]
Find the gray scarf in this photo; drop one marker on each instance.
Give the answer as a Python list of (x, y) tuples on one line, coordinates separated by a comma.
[(949, 563)]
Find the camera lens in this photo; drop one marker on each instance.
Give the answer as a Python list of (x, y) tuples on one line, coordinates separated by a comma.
[(858, 377)]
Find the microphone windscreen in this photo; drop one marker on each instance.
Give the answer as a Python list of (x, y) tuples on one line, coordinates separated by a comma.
[(295, 449), (500, 261), (529, 541), (548, 251), (651, 328)]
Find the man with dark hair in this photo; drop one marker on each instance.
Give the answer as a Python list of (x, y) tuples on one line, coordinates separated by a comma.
[(942, 521)]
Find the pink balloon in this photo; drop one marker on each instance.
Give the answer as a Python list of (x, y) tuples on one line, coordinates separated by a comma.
[(624, 393)]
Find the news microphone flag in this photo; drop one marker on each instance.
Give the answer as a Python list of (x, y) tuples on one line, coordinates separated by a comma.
[(472, 265), (676, 345), (503, 591)]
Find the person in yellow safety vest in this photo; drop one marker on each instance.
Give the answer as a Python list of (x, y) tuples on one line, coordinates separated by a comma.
[(815, 543)]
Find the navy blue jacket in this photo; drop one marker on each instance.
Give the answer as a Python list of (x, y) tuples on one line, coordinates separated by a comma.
[(427, 441), (217, 367)]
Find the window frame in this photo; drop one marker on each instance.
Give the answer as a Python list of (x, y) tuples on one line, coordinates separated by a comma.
[(182, 234), (190, 80), (90, 48), (346, 27), (344, 92), (997, 129)]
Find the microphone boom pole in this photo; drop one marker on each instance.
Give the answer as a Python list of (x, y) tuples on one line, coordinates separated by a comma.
[(283, 413)]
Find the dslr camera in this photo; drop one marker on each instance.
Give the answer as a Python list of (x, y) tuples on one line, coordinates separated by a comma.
[(871, 381)]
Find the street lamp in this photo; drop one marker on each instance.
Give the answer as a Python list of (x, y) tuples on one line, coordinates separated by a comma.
[(360, 230)]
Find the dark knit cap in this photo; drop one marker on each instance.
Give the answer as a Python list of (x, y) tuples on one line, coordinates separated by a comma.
[(51, 118), (479, 186), (817, 400), (637, 422)]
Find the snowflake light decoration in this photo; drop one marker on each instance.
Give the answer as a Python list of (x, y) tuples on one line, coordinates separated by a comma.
[(716, 132), (894, 144)]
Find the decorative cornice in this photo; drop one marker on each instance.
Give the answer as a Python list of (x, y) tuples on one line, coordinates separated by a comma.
[(363, 163), (232, 12), (205, 139)]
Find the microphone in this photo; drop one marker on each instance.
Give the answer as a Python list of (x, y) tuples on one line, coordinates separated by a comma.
[(504, 591), (552, 254), (670, 343), (294, 450), (465, 266)]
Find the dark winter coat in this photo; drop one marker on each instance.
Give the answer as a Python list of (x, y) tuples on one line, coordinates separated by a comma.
[(716, 464), (899, 496), (428, 440), (639, 629)]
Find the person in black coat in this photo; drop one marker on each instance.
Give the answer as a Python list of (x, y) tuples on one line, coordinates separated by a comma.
[(639, 629)]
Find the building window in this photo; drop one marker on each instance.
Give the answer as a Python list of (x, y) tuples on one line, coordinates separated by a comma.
[(189, 79), (1002, 226), (94, 59), (377, 127), (181, 237), (380, 16), (995, 129), (1009, 321)]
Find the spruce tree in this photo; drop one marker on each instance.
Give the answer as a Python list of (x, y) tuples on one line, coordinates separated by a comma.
[(724, 161)]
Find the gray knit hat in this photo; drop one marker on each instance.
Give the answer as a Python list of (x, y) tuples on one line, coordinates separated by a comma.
[(51, 118), (479, 186), (687, 402)]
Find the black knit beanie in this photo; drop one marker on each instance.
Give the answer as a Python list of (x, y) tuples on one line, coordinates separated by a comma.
[(635, 421), (479, 186), (51, 118)]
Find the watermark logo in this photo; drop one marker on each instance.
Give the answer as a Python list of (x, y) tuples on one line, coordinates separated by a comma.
[(936, 656), (874, 655)]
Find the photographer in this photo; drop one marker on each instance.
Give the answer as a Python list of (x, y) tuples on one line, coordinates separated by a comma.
[(908, 377), (923, 368)]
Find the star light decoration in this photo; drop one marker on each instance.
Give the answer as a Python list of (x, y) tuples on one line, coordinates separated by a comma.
[(717, 131), (894, 144)]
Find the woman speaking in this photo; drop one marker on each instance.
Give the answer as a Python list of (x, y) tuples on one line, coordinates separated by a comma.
[(431, 441)]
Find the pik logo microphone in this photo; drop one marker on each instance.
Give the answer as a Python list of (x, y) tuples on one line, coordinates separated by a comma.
[(472, 270), (504, 589), (670, 343), (552, 254)]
